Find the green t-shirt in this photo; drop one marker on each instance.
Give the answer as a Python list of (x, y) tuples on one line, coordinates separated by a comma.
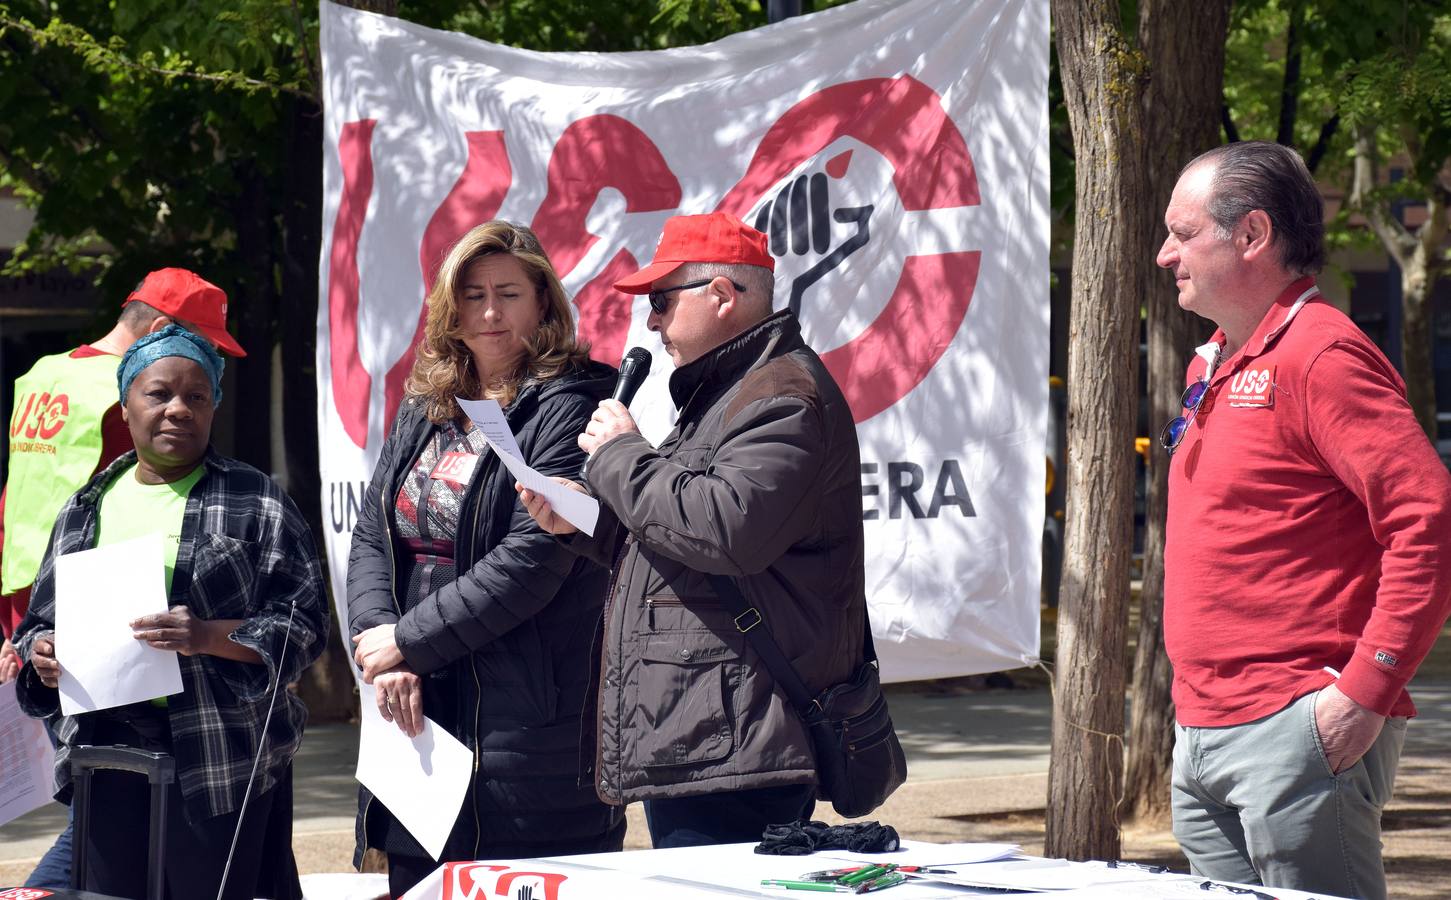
[(130, 509)]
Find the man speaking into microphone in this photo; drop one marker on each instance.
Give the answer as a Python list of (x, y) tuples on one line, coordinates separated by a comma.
[(761, 482)]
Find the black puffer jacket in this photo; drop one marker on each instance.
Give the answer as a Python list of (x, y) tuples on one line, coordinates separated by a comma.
[(504, 648)]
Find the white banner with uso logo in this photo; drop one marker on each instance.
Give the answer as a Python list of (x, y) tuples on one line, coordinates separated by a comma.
[(895, 152)]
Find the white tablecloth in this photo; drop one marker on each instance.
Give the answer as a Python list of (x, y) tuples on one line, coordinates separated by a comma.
[(733, 870)]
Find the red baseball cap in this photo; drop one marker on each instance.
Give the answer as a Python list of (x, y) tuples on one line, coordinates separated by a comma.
[(189, 298), (716, 237)]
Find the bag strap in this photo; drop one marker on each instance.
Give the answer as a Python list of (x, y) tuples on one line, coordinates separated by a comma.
[(752, 624)]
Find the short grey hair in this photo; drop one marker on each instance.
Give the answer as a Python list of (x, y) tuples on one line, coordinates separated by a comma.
[(1250, 175), (759, 281), (138, 315)]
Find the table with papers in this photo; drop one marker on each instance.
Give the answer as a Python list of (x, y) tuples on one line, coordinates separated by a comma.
[(734, 870)]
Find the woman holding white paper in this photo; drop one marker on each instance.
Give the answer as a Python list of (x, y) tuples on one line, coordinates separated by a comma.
[(246, 615), (460, 607)]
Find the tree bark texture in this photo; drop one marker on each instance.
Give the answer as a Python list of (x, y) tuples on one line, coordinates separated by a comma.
[(1425, 264), (1184, 47), (1103, 87)]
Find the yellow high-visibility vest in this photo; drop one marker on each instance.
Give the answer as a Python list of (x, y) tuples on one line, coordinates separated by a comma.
[(55, 443)]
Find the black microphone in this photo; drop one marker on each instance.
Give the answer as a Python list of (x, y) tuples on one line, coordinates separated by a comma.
[(633, 369)]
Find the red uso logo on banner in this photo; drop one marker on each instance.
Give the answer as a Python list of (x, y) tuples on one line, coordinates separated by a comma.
[(471, 881), (814, 185)]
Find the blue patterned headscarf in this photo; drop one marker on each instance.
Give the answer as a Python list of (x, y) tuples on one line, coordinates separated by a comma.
[(173, 340)]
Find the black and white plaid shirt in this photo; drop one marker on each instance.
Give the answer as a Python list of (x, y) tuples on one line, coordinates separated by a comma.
[(245, 553)]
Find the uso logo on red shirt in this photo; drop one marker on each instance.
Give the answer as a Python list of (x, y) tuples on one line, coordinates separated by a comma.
[(1252, 387)]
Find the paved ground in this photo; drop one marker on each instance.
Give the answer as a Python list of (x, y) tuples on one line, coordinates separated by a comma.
[(978, 762)]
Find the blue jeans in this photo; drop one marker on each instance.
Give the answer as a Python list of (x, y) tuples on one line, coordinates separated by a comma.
[(727, 818), (54, 869)]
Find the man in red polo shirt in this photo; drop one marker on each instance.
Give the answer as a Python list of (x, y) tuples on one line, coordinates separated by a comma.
[(1308, 552)]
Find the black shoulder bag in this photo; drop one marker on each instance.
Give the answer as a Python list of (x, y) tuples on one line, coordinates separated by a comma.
[(859, 761)]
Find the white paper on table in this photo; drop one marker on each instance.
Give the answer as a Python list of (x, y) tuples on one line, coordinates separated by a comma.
[(488, 417), (27, 761), (580, 510), (1046, 875), (929, 855), (98, 593), (421, 780), (1189, 887), (1165, 887)]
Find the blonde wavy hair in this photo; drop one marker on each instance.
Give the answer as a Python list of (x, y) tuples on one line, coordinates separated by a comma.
[(443, 367)]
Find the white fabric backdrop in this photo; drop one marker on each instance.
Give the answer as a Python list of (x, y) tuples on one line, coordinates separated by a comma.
[(897, 152)]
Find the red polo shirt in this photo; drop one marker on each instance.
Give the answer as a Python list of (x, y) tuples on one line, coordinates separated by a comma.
[(1309, 525)]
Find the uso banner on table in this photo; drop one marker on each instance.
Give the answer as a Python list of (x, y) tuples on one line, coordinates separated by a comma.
[(895, 152)]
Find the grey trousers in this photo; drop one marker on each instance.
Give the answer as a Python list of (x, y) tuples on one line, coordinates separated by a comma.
[(1257, 804)]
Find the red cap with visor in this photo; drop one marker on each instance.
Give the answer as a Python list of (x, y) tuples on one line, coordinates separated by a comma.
[(192, 301), (716, 237)]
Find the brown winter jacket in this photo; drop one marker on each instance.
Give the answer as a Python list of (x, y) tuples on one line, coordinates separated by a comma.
[(761, 481)]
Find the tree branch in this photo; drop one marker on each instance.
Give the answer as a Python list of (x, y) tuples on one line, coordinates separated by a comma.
[(25, 170), (1322, 143), (1365, 173), (1231, 133), (1433, 232), (96, 52), (82, 115), (312, 67)]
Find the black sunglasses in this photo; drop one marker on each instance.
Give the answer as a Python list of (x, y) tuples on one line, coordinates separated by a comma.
[(660, 300), (1174, 432)]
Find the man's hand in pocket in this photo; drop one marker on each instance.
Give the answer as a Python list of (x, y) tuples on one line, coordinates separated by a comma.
[(1346, 728)]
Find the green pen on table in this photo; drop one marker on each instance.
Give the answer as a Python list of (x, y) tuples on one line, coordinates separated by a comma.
[(877, 884), (827, 886), (866, 874)]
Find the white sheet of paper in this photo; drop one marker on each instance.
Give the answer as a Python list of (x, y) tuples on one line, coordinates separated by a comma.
[(421, 780), (27, 762), (488, 417), (1188, 887), (580, 510), (1043, 875), (918, 854), (97, 593)]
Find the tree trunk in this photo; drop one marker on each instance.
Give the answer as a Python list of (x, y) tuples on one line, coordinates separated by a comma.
[(1185, 51), (1418, 277), (257, 307), (1103, 86), (1421, 260)]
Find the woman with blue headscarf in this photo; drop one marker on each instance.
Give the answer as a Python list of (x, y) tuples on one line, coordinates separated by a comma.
[(246, 614)]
